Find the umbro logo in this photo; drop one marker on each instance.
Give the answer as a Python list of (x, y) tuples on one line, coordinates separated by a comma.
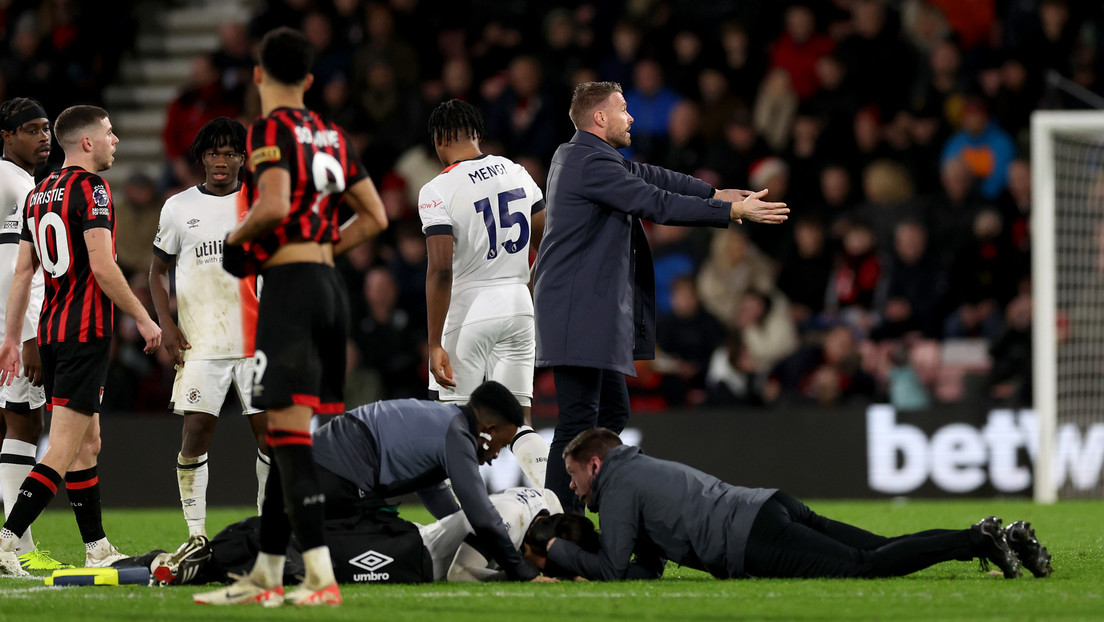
[(193, 223), (371, 561)]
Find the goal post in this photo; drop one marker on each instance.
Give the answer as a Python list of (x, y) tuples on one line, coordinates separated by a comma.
[(1067, 251)]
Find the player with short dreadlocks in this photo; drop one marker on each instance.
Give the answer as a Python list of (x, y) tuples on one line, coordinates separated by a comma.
[(26, 134), (212, 345), (481, 216)]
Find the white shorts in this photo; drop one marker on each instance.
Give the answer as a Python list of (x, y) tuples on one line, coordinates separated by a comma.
[(442, 539), (201, 386), (500, 349), (21, 396)]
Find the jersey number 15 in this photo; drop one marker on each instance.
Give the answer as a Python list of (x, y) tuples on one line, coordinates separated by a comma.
[(508, 220)]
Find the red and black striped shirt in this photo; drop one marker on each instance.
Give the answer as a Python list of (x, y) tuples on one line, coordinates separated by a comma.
[(322, 165), (55, 216)]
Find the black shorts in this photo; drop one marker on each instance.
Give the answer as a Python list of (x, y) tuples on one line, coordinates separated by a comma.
[(74, 373), (302, 326)]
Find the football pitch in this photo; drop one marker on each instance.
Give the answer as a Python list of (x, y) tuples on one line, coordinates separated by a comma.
[(1073, 531)]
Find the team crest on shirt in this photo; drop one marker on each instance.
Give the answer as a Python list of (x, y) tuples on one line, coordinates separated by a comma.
[(193, 395), (100, 197)]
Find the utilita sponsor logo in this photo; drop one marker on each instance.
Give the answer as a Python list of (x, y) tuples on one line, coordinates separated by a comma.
[(371, 561), (960, 458)]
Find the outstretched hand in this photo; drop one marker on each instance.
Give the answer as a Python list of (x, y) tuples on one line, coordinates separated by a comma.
[(754, 208)]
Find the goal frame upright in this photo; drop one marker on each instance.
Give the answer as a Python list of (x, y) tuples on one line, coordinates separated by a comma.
[(1044, 126)]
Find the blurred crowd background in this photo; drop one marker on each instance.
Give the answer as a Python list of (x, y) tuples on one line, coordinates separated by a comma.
[(896, 130)]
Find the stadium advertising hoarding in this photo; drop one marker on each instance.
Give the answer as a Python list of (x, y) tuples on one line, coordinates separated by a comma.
[(856, 452)]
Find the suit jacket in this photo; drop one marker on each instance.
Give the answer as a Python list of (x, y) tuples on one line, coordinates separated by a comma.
[(594, 294)]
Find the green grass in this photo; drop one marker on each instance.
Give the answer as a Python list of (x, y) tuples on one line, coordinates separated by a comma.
[(1073, 531)]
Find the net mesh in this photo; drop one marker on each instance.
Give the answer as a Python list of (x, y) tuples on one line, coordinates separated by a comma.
[(1079, 264)]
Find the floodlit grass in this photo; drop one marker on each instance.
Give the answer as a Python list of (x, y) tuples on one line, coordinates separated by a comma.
[(1073, 531)]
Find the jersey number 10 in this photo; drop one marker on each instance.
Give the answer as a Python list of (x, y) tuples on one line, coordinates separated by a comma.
[(508, 220)]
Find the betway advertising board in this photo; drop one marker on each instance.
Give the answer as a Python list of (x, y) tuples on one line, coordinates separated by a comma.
[(815, 453)]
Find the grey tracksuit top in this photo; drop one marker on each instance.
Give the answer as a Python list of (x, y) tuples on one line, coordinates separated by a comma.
[(397, 447), (662, 510)]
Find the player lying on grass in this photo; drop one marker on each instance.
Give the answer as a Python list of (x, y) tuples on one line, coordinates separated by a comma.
[(527, 512), (659, 510)]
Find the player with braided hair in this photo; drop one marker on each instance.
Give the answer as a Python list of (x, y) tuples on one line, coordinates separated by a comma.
[(481, 216), (26, 134)]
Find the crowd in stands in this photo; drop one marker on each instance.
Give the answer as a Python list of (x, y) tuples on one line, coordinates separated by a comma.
[(896, 130)]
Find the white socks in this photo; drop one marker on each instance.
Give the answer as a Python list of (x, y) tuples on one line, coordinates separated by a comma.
[(531, 452), (17, 462), (268, 570), (264, 465), (192, 476), (318, 566)]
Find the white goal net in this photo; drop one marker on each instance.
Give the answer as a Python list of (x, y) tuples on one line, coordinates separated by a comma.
[(1068, 291)]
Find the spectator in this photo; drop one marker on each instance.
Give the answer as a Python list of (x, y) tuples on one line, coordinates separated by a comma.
[(889, 200), (880, 64), (389, 341), (717, 104), (684, 148), (981, 282), (836, 198), (1014, 205), (766, 328), (732, 156), (775, 107), (137, 216), (685, 338), (734, 266), (524, 119), (806, 269), (333, 57), (855, 277), (408, 268), (744, 64), (1010, 378), (804, 158), (731, 377), (771, 174), (651, 102), (618, 65), (688, 64), (826, 374), (675, 255), (912, 288), (798, 49), (954, 209), (984, 147), (835, 103), (203, 99)]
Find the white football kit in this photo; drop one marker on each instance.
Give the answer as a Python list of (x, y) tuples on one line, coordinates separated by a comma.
[(217, 312), (518, 507), (15, 185), (486, 204)]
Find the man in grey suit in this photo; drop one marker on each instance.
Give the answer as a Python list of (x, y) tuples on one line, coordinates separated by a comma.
[(594, 291)]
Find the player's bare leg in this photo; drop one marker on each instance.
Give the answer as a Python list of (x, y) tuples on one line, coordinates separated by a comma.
[(531, 451), (192, 472)]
